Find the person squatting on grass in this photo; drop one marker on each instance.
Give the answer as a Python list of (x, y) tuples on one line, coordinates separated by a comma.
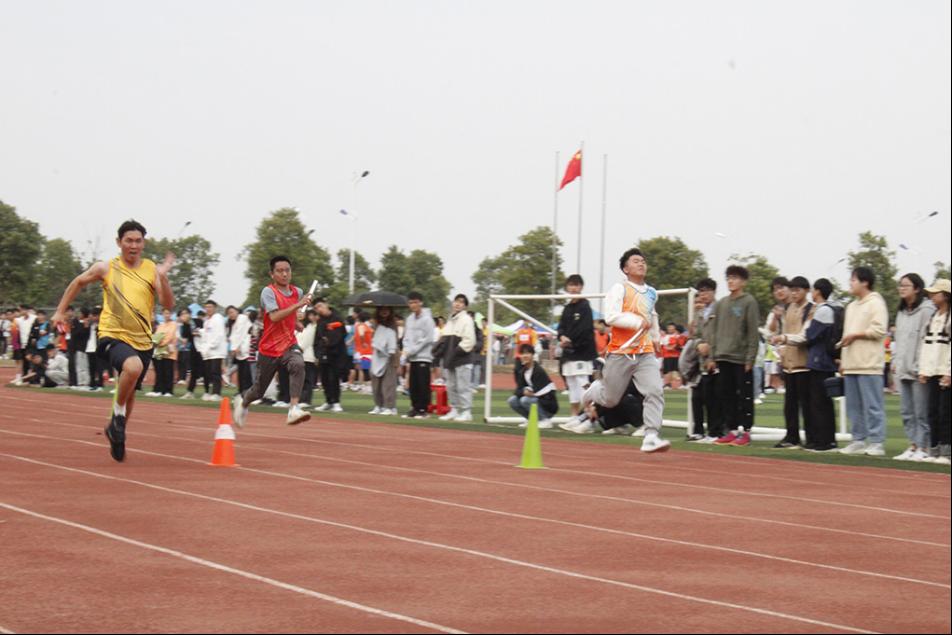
[(130, 285), (533, 387)]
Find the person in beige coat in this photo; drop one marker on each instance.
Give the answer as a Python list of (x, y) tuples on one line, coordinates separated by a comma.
[(861, 364)]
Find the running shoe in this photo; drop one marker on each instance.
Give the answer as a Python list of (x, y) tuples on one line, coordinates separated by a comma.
[(116, 433), (727, 439), (240, 413), (296, 416), (875, 449), (654, 443), (742, 440)]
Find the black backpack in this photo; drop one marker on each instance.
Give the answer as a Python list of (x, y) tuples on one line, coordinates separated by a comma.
[(837, 333)]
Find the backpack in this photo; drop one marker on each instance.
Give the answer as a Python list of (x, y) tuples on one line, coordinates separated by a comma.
[(836, 334)]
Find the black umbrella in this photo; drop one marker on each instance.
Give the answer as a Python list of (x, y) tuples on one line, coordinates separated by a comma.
[(375, 299)]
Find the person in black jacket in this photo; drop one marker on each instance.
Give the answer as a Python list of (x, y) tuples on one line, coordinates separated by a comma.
[(577, 336), (78, 339), (330, 350), (533, 386)]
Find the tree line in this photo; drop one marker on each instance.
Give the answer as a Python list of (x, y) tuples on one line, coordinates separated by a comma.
[(35, 269)]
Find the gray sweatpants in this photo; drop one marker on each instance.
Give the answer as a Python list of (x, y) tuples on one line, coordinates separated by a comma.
[(914, 410), (385, 388), (292, 360), (459, 387), (645, 371)]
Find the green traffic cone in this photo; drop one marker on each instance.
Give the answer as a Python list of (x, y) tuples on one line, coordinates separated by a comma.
[(532, 448)]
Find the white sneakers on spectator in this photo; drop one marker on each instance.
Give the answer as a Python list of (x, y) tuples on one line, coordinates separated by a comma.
[(625, 431), (449, 416), (545, 424), (654, 443), (376, 411), (153, 394), (188, 395), (467, 417), (337, 408), (240, 414), (875, 449), (905, 456), (280, 404), (524, 424), (578, 426), (856, 447), (296, 415)]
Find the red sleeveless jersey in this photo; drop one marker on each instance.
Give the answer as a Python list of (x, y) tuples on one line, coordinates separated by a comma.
[(278, 337)]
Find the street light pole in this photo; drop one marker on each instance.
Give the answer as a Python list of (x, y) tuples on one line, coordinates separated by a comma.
[(353, 229)]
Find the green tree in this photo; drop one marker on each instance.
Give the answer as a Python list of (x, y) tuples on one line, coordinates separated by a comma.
[(420, 270), (941, 271), (57, 267), (364, 277), (191, 277), (523, 269), (672, 265), (21, 246), (762, 274), (874, 253), (283, 233)]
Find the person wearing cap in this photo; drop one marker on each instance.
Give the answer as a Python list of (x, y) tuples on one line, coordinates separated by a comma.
[(934, 371)]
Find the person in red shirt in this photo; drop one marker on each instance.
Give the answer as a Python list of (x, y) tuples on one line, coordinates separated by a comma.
[(278, 346), (671, 344)]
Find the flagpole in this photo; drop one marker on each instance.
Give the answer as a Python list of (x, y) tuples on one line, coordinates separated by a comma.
[(601, 260), (555, 228), (578, 258)]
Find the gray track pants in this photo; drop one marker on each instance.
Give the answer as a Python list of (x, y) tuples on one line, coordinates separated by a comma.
[(644, 371), (292, 360)]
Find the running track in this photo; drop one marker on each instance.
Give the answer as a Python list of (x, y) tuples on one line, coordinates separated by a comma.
[(368, 527)]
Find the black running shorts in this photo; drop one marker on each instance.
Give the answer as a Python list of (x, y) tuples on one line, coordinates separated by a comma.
[(115, 353)]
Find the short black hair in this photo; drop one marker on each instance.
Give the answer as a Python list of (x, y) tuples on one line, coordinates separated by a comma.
[(526, 348), (210, 301), (799, 282), (415, 295), (825, 287), (181, 311), (131, 226), (706, 284), (276, 260), (574, 279), (84, 311), (461, 296), (230, 307), (737, 270), (634, 251), (779, 281), (865, 274)]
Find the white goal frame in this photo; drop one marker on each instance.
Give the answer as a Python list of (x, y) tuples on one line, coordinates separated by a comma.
[(757, 432)]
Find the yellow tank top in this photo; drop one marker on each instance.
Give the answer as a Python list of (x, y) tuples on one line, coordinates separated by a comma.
[(128, 303)]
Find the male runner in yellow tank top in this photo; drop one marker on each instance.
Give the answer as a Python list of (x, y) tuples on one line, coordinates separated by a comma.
[(130, 284)]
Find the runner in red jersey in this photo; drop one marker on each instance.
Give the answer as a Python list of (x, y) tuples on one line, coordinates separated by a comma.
[(278, 347)]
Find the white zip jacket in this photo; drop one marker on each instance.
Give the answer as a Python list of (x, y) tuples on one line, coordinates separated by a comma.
[(214, 339)]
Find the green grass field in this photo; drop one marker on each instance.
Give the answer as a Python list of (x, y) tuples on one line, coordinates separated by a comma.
[(356, 406)]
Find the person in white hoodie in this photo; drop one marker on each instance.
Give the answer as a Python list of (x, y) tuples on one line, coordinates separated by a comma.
[(214, 349), (385, 362), (418, 352), (912, 321), (861, 364), (239, 346), (456, 350), (935, 371)]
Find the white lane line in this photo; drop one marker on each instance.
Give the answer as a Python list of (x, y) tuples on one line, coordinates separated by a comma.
[(452, 548), (634, 501), (239, 572), (682, 457)]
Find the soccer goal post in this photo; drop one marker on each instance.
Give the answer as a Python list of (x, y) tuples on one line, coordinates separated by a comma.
[(506, 301)]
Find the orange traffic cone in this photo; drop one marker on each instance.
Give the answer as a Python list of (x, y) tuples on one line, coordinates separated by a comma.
[(224, 453)]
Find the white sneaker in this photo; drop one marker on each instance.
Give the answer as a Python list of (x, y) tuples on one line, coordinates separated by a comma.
[(240, 414), (654, 443), (578, 426), (544, 424), (622, 431), (640, 432), (466, 417), (153, 394), (296, 416), (856, 447), (389, 412), (875, 449), (181, 382), (304, 406), (449, 416), (376, 411), (188, 395), (337, 408), (167, 394), (324, 407), (280, 404), (708, 440), (942, 460), (905, 456), (918, 456), (758, 402), (214, 398), (206, 396), (524, 424)]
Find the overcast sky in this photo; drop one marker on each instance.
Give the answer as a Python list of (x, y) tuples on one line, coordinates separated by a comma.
[(786, 127)]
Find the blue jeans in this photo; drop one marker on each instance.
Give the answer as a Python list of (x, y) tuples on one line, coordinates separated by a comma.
[(914, 409), (864, 406), (522, 405)]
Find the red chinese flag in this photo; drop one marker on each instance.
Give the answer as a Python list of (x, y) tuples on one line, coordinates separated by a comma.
[(574, 169)]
